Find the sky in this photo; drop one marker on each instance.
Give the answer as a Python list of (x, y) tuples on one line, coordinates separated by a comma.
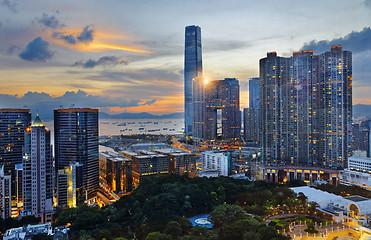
[(125, 55)]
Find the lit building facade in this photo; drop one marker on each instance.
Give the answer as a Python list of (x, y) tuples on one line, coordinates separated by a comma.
[(115, 172), (192, 70), (306, 112), (13, 123), (70, 186), (5, 194), (146, 163), (37, 172), (223, 96), (76, 141)]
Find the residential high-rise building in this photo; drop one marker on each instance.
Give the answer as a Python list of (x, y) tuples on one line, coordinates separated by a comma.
[(76, 141), (306, 112), (13, 123), (192, 70), (252, 114), (5, 194), (222, 109), (37, 172)]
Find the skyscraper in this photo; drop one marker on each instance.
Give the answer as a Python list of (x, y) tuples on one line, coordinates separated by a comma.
[(13, 123), (306, 113), (76, 141), (222, 109), (254, 93), (38, 172), (252, 114), (192, 70)]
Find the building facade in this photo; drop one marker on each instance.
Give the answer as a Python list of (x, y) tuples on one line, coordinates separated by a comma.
[(5, 194), (306, 109), (76, 141), (219, 162), (13, 123), (192, 70), (37, 172), (115, 172), (70, 186), (361, 137), (251, 115), (222, 110)]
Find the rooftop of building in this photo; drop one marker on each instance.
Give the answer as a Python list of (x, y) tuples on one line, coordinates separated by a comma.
[(76, 110), (37, 122), (324, 199), (359, 158), (14, 110)]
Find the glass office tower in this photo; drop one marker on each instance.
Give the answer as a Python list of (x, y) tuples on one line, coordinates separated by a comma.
[(192, 70), (13, 123), (76, 141)]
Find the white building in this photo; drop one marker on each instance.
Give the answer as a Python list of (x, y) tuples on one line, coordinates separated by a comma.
[(27, 232), (354, 211), (38, 172), (5, 194), (359, 164), (217, 162), (358, 173)]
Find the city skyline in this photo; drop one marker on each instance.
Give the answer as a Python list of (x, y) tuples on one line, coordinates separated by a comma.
[(118, 59)]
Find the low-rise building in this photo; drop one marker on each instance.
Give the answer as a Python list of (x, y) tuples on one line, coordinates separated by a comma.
[(215, 161), (115, 171), (358, 173), (354, 211), (28, 231)]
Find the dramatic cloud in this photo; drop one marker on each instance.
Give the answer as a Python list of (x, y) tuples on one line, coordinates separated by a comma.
[(354, 41), (368, 3), (86, 36), (49, 21), (45, 103), (106, 60), (10, 4), (37, 51)]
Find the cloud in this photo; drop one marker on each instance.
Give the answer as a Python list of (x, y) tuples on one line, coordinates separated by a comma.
[(10, 4), (45, 103), (49, 21), (12, 49), (37, 51), (85, 36), (68, 38), (106, 60), (354, 41), (368, 3)]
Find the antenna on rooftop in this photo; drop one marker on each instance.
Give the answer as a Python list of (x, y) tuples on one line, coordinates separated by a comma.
[(72, 105), (60, 106)]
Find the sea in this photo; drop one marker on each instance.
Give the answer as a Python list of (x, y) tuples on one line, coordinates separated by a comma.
[(110, 127)]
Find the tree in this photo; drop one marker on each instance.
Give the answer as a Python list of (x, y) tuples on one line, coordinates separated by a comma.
[(173, 229), (226, 214)]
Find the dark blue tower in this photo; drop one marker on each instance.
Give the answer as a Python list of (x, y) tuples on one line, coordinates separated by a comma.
[(192, 69)]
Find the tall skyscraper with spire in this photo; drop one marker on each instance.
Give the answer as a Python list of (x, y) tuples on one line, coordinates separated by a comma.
[(38, 172), (192, 71)]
